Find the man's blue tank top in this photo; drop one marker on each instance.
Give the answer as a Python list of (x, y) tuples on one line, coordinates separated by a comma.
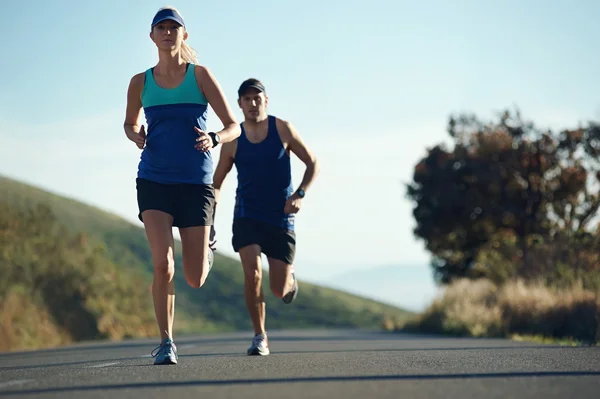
[(171, 114), (264, 179)]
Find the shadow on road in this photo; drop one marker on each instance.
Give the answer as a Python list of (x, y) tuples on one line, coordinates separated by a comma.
[(299, 352), (110, 345), (241, 353), (416, 377), (279, 336), (195, 340), (123, 359), (65, 364)]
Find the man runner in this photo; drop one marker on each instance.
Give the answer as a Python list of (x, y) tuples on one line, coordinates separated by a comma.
[(266, 204)]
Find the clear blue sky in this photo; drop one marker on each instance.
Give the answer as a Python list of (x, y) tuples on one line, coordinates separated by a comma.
[(369, 85)]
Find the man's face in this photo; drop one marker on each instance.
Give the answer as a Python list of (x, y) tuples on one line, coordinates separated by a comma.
[(253, 104)]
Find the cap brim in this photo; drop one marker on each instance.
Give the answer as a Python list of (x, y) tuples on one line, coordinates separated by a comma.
[(180, 22), (257, 87)]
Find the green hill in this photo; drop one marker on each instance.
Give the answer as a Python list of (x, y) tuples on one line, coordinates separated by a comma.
[(84, 273)]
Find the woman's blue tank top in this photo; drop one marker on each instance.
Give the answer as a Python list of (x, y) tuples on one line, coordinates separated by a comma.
[(171, 114)]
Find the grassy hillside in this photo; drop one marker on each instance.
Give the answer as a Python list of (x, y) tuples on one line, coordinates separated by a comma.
[(117, 251)]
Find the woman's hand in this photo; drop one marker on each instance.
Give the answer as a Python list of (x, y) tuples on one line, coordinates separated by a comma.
[(204, 141), (138, 138)]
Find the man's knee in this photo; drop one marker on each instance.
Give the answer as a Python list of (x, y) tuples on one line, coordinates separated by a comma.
[(280, 278), (251, 264), (253, 276), (281, 286), (277, 289)]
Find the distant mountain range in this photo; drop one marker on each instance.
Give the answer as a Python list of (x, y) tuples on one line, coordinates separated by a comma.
[(407, 286)]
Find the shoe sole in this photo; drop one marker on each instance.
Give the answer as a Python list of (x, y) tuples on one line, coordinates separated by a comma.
[(287, 300), (167, 362), (257, 352)]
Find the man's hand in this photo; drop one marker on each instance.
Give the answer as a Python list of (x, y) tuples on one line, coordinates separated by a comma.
[(293, 204)]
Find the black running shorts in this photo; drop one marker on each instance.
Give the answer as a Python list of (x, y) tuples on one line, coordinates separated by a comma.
[(189, 204), (274, 241)]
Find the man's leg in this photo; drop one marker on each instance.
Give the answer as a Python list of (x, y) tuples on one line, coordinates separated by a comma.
[(282, 279), (247, 240), (281, 251), (255, 299)]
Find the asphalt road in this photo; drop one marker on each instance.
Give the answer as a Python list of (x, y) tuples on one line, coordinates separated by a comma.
[(307, 364)]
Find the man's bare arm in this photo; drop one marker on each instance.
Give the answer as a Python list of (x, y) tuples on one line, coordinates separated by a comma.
[(221, 171), (301, 150), (223, 167)]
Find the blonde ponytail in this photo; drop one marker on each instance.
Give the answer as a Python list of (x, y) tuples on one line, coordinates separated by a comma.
[(188, 54)]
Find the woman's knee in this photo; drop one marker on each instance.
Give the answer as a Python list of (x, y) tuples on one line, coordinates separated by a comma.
[(196, 274), (164, 268), (195, 254), (195, 282), (160, 239), (195, 279)]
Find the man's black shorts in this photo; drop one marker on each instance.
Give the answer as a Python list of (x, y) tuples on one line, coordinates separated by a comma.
[(189, 204), (274, 241)]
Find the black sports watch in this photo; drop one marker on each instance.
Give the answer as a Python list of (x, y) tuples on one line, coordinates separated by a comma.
[(216, 139), (301, 193)]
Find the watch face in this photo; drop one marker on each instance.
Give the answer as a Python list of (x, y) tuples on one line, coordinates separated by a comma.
[(215, 138), (301, 193)]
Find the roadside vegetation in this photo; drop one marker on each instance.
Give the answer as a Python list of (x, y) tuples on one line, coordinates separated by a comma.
[(508, 213), (72, 272)]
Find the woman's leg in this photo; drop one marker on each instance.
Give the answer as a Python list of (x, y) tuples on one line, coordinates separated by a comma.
[(197, 256), (155, 211), (195, 216), (158, 226)]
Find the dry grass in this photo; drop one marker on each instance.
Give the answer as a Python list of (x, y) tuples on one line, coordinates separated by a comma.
[(482, 309), (17, 332)]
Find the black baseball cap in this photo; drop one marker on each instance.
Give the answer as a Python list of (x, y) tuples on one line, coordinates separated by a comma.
[(251, 84)]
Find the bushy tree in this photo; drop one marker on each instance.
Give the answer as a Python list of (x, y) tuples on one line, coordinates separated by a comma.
[(505, 177)]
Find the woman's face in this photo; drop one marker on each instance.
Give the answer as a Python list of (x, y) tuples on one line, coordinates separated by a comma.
[(168, 35)]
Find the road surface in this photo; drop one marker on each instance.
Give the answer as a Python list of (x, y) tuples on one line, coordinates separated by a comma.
[(307, 364)]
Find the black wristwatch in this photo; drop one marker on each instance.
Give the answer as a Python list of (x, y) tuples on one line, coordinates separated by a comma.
[(216, 139), (301, 193)]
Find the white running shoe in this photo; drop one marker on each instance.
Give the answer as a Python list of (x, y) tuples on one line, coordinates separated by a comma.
[(211, 259), (260, 346)]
